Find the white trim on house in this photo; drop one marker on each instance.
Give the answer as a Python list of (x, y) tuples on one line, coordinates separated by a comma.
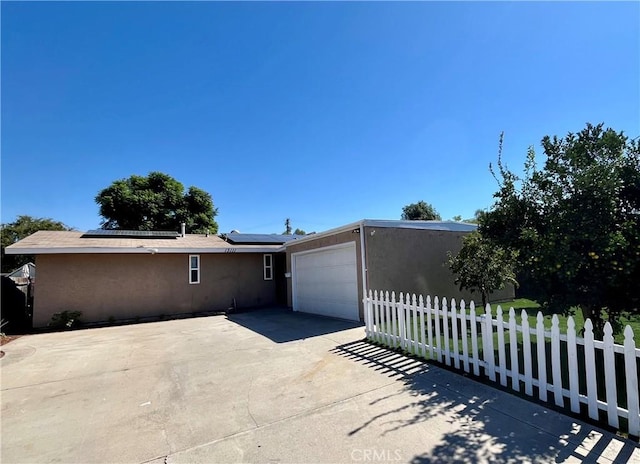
[(450, 226), (268, 267), (363, 263), (337, 230), (192, 268), (143, 250)]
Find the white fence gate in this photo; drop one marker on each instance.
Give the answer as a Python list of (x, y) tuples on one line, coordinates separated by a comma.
[(594, 371)]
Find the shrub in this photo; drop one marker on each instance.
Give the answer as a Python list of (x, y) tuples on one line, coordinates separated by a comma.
[(65, 319)]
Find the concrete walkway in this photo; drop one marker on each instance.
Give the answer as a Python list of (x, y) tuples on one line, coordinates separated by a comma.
[(267, 386)]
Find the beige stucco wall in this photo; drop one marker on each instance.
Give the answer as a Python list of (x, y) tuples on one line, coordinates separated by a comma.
[(414, 261), (321, 242), (129, 285)]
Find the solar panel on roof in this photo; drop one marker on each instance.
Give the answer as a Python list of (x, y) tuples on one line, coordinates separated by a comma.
[(110, 233), (259, 239)]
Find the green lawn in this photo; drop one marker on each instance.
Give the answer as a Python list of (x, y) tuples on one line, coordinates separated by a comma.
[(532, 309)]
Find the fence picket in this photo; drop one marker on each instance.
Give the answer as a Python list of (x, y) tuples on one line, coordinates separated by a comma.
[(402, 326), (407, 324), (487, 344), (422, 334), (394, 325), (474, 340), (502, 361), (445, 327), (610, 376), (379, 325), (454, 333), (542, 358), (367, 317), (414, 311), (590, 364), (436, 322), (555, 361), (526, 353), (463, 330), (572, 358), (389, 326), (513, 345), (631, 371), (430, 328)]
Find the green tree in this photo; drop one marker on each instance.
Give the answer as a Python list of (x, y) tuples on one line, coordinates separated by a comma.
[(299, 232), (156, 202), (420, 211), (22, 227), (575, 222), (287, 227), (483, 266)]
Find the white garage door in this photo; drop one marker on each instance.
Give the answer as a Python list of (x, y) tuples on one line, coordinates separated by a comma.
[(325, 282)]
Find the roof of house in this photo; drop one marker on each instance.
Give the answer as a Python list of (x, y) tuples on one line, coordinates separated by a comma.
[(259, 239), (447, 226), (55, 242)]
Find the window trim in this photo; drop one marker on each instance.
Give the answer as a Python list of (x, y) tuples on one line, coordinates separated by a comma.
[(197, 269), (266, 267)]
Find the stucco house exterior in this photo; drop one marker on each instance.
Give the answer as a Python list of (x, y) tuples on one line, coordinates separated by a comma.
[(127, 274)]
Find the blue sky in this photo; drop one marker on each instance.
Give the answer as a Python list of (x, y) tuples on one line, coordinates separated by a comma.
[(325, 113)]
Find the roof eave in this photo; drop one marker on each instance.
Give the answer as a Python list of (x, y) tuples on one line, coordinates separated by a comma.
[(140, 250)]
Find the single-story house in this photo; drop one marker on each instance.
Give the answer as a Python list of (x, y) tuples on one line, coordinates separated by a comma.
[(109, 274), (117, 275)]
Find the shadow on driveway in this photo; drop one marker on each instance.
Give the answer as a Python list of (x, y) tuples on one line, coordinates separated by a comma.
[(489, 425), (283, 325)]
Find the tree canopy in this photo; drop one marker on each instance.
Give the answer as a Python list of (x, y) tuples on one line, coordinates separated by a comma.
[(156, 202), (420, 211), (482, 266), (22, 227), (575, 222)]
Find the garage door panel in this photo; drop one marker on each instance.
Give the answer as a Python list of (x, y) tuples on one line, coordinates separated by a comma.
[(325, 282)]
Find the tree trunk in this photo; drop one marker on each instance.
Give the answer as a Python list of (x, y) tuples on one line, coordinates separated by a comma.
[(594, 313)]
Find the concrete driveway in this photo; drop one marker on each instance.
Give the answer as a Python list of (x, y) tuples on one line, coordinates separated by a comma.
[(267, 386)]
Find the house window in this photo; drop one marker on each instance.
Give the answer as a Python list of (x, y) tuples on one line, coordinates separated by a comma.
[(194, 269), (268, 267)]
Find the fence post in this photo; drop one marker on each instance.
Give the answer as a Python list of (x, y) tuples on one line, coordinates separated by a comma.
[(513, 345), (463, 330), (376, 317), (422, 334), (487, 344), (436, 321), (474, 339), (502, 361), (402, 329), (526, 353), (430, 327), (394, 314), (542, 357), (631, 373), (454, 334), (555, 361), (572, 358), (590, 366), (389, 325), (414, 311), (610, 377), (445, 325), (366, 301)]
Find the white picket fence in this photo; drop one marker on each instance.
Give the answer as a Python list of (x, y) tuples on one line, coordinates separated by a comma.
[(463, 339)]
